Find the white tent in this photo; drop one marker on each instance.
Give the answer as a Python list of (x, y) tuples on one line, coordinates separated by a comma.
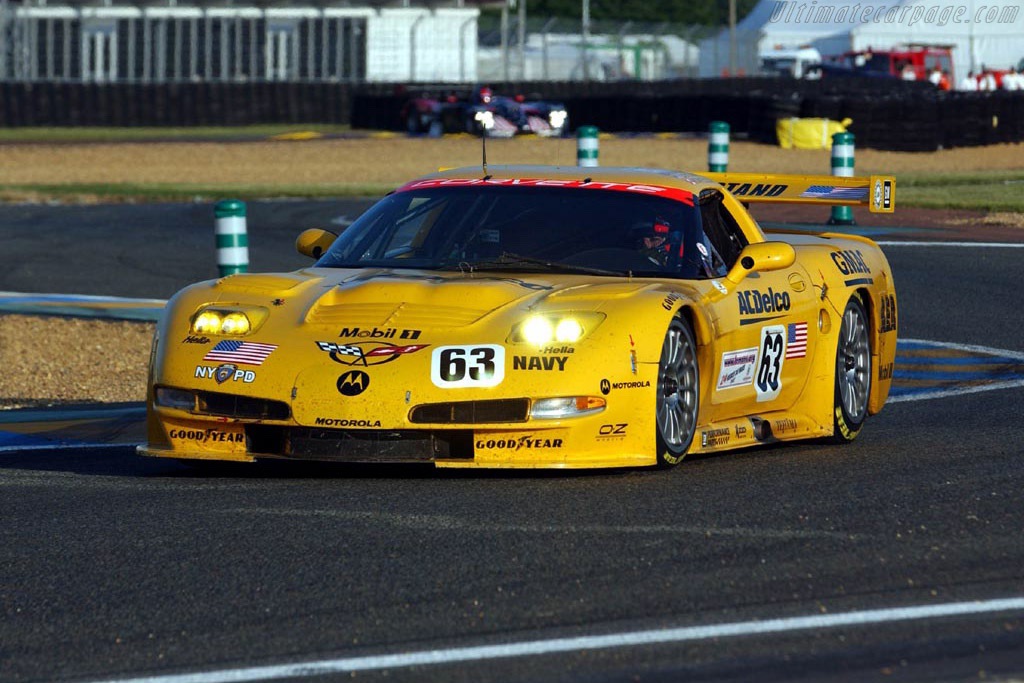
[(981, 34)]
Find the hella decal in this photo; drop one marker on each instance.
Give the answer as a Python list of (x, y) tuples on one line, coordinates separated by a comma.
[(193, 339)]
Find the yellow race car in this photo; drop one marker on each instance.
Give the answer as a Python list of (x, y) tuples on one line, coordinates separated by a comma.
[(530, 316)]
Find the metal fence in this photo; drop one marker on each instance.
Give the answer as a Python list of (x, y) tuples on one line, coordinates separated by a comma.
[(180, 44), (561, 49), (235, 43)]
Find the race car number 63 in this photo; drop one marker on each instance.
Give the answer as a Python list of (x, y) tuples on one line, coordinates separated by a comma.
[(467, 366)]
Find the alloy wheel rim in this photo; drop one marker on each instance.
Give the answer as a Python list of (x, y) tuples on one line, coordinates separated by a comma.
[(677, 390), (855, 359)]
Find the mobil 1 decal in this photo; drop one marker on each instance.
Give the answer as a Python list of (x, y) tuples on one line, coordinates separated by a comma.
[(768, 380)]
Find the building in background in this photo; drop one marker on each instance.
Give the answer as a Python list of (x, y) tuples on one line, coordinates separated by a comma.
[(184, 42)]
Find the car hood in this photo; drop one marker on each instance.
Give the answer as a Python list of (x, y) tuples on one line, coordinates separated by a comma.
[(412, 298)]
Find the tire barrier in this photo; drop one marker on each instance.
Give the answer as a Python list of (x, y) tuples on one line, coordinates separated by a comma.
[(888, 115)]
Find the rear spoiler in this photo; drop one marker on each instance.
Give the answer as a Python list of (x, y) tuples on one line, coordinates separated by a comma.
[(877, 192)]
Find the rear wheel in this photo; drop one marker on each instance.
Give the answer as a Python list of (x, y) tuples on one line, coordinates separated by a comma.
[(853, 372), (677, 400)]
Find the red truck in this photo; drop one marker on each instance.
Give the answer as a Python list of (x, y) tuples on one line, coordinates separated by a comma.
[(910, 62)]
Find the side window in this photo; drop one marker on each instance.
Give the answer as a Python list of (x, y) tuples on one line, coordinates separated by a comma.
[(721, 230)]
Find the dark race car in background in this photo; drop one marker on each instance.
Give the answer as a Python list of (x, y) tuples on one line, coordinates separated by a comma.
[(484, 113)]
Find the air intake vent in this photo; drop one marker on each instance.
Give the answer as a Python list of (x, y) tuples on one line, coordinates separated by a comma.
[(229, 405), (472, 412)]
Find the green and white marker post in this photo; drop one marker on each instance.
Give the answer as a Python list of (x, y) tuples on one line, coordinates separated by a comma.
[(232, 240), (586, 146), (718, 147), (842, 166)]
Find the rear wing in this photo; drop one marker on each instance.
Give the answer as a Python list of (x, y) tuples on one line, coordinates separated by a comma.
[(877, 192)]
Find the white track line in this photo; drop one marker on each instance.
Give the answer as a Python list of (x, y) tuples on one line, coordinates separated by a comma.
[(560, 645), (1007, 245)]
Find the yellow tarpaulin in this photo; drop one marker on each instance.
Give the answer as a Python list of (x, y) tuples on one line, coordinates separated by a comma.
[(794, 133)]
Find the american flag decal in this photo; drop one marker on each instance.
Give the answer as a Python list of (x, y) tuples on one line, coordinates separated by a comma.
[(833, 192), (243, 353), (796, 340)]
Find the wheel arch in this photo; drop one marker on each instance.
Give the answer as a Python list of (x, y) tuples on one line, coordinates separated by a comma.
[(880, 355)]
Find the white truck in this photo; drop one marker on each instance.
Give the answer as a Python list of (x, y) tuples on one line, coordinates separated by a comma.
[(791, 62)]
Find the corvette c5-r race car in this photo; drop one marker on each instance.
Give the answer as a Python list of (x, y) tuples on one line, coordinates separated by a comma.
[(528, 316)]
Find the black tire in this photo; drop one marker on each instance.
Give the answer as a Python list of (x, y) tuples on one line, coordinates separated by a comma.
[(677, 402), (852, 372)]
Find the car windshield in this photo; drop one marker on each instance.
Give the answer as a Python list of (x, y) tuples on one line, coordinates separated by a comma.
[(603, 232)]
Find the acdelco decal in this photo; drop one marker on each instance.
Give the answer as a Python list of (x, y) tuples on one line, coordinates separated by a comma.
[(753, 301), (758, 190), (675, 193)]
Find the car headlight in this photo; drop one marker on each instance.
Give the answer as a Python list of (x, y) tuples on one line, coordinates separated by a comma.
[(556, 328), (233, 321), (557, 118), (569, 406), (485, 119)]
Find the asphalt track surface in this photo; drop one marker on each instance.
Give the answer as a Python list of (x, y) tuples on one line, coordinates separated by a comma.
[(899, 557)]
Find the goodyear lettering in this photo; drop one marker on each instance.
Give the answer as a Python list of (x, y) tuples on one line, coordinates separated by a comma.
[(753, 301), (523, 442), (331, 422), (538, 362), (207, 435), (377, 333), (714, 437), (850, 261), (758, 190), (887, 314), (669, 300)]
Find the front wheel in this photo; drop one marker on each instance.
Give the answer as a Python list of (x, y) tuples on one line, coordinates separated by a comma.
[(853, 372), (677, 400)]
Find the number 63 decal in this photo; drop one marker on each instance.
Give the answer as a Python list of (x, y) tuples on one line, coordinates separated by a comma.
[(768, 381), (467, 366)]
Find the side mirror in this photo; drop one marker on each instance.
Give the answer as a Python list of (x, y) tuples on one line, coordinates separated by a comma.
[(314, 242), (761, 256)]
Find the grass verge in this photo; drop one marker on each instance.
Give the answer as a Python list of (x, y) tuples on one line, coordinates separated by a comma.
[(141, 134), (981, 191)]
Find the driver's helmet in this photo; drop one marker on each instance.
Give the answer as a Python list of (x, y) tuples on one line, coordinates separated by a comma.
[(654, 239), (486, 95)]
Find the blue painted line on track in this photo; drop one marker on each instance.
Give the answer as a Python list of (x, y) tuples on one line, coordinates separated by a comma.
[(82, 306)]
